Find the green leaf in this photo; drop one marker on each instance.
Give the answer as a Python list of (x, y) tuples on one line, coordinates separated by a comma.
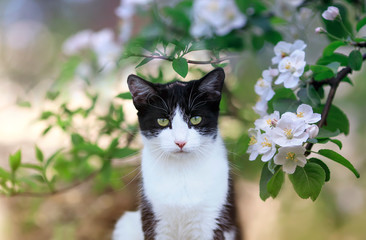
[(337, 142), (46, 114), (4, 175), (275, 183), (309, 95), (285, 105), (335, 57), (355, 60), (52, 95), (126, 96), (334, 67), (266, 175), (329, 50), (308, 181), (324, 133), (22, 103), (39, 154), (51, 158), (321, 72), (14, 160), (32, 166), (180, 65), (323, 165), (336, 119), (144, 61), (46, 130), (123, 152), (77, 139), (360, 24), (339, 159)]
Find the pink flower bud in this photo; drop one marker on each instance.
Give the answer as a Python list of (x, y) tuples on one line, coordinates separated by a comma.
[(320, 30), (313, 131), (331, 13)]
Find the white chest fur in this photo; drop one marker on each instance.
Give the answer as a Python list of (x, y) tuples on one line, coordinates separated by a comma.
[(187, 193)]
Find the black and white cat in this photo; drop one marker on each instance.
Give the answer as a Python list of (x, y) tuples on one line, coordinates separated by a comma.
[(187, 192)]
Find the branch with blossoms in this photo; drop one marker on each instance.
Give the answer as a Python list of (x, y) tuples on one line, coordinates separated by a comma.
[(290, 104)]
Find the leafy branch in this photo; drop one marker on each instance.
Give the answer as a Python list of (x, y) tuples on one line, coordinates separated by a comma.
[(171, 59), (333, 83)]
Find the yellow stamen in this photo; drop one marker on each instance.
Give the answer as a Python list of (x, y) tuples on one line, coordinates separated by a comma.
[(288, 66), (253, 140), (291, 156), (288, 133), (283, 54), (269, 122), (266, 143), (300, 115)]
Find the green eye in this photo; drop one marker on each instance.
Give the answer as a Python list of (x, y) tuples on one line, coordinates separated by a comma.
[(163, 122), (196, 120)]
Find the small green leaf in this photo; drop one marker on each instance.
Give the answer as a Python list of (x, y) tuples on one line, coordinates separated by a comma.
[(309, 95), (323, 165), (22, 103), (275, 183), (52, 157), (126, 96), (39, 154), (46, 114), (123, 152), (321, 72), (266, 175), (32, 166), (76, 139), (329, 50), (337, 142), (360, 24), (4, 175), (339, 159), (180, 65), (144, 61), (14, 160), (334, 67), (46, 130), (355, 60), (51, 95), (324, 133), (285, 105), (335, 57), (336, 119), (308, 181)]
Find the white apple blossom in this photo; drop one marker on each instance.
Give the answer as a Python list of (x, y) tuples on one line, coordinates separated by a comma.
[(253, 143), (267, 122), (266, 147), (77, 42), (306, 113), (313, 131), (284, 49), (331, 13), (320, 30), (261, 107), (290, 158), (291, 68), (263, 88), (215, 17), (290, 131), (106, 48)]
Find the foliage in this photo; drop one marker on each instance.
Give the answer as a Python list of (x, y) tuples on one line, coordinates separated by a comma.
[(171, 35)]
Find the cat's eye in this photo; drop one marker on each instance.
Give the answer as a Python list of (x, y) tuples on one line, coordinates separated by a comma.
[(196, 120), (163, 122)]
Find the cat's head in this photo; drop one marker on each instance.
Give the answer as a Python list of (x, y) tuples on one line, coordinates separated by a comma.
[(178, 118)]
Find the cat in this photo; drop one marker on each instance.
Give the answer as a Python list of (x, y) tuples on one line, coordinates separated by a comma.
[(186, 190)]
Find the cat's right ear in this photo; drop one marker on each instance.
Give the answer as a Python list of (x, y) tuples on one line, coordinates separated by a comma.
[(140, 89)]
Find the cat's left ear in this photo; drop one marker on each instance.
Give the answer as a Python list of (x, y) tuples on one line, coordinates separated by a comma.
[(212, 83)]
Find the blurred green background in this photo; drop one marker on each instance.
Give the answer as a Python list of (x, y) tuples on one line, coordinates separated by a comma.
[(32, 33)]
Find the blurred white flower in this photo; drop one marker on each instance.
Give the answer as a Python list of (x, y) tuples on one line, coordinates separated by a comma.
[(331, 13), (253, 143), (78, 42), (261, 107), (263, 88), (215, 17), (313, 131), (304, 14), (291, 68), (306, 113), (290, 158), (290, 131), (293, 3), (267, 122), (266, 147), (284, 49), (106, 48)]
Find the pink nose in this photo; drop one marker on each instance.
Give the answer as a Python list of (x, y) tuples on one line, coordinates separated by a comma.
[(180, 144)]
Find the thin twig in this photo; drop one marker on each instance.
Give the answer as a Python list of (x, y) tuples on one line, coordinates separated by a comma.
[(216, 61), (334, 83)]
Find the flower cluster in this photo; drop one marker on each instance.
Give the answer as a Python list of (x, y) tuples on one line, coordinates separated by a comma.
[(215, 17), (102, 44), (290, 61), (287, 133)]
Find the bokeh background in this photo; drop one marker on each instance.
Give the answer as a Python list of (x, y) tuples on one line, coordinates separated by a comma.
[(32, 34)]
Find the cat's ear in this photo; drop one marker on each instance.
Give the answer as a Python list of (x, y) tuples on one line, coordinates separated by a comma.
[(140, 89), (212, 83)]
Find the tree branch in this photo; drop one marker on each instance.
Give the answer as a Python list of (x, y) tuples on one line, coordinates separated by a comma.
[(334, 83), (216, 61)]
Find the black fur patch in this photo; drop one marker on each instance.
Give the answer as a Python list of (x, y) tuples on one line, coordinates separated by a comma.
[(147, 218)]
